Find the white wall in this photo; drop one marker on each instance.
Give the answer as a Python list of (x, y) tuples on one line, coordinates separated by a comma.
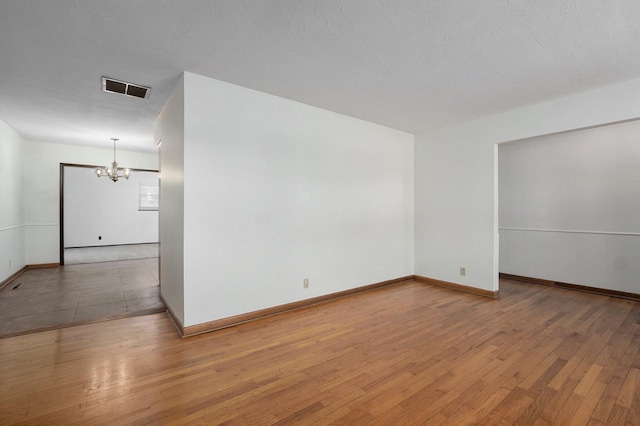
[(276, 191), (170, 132), (99, 207), (42, 190), (569, 207), (12, 250), (455, 196)]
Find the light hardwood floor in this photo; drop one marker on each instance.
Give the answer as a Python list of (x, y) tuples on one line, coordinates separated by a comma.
[(404, 354)]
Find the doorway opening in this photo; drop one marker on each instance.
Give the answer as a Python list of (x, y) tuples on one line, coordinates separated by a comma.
[(568, 209), (103, 221)]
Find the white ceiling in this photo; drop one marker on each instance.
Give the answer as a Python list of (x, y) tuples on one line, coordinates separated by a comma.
[(411, 65)]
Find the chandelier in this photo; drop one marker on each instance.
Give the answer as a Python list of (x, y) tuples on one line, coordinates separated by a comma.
[(112, 171)]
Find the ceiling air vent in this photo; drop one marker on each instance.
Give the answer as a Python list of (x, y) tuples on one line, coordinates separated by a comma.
[(116, 86)]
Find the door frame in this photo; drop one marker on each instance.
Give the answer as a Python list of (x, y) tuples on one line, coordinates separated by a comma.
[(61, 216)]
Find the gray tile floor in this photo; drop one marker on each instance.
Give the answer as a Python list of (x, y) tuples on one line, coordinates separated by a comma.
[(72, 294), (74, 256)]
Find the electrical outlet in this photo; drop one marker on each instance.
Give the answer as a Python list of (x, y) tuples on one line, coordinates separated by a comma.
[(463, 271), (306, 283)]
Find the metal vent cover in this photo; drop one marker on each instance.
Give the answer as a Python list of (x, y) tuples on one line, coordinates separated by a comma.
[(112, 85)]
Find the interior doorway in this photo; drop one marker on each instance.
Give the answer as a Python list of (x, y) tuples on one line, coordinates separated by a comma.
[(568, 209), (102, 221)]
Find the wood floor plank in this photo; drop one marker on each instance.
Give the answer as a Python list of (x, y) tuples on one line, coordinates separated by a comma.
[(584, 412), (629, 388), (409, 353), (509, 409), (618, 416), (588, 380), (561, 404)]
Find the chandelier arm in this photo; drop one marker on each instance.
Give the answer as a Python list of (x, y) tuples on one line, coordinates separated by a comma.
[(113, 172)]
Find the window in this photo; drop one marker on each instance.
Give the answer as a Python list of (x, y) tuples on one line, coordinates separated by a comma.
[(148, 197)]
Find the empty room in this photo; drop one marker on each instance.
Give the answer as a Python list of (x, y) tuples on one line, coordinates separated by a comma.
[(335, 212)]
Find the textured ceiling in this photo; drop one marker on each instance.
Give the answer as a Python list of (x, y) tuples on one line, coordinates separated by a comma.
[(411, 65)]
